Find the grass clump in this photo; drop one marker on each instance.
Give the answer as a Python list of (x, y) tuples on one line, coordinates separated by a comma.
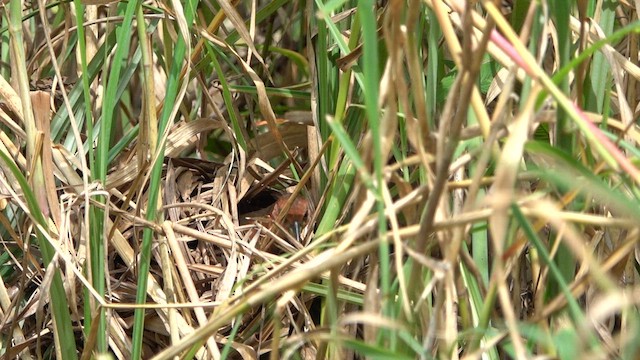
[(319, 179)]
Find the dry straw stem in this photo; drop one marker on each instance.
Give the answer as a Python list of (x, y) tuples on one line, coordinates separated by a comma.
[(322, 262), (581, 284), (54, 242), (447, 18), (120, 243), (453, 117), (602, 145)]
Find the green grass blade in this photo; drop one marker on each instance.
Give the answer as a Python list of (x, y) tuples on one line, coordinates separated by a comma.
[(600, 67), (166, 118), (58, 297)]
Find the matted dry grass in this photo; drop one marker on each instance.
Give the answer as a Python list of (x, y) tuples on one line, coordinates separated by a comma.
[(298, 215)]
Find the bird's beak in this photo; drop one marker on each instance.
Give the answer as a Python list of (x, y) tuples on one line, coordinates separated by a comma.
[(296, 229)]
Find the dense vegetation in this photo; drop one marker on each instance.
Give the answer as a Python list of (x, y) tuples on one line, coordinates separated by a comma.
[(319, 179)]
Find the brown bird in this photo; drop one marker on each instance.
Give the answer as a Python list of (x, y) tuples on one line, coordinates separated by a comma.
[(272, 204), (294, 216)]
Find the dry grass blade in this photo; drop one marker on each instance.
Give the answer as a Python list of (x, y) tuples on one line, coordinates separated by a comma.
[(308, 271)]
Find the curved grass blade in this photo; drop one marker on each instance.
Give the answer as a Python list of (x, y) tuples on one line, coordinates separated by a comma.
[(58, 298)]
